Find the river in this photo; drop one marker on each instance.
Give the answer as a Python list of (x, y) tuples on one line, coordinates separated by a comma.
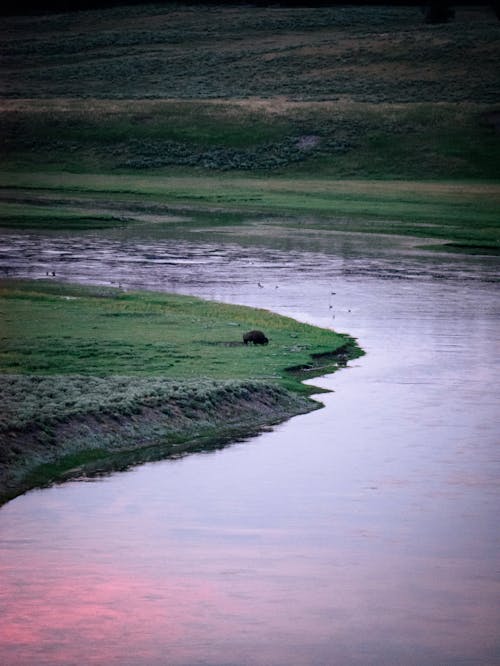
[(363, 533)]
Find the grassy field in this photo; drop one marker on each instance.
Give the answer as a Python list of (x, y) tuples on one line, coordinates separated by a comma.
[(365, 118), (93, 377), (334, 139), (51, 328), (370, 54), (456, 215)]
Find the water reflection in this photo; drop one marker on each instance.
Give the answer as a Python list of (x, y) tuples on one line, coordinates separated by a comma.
[(363, 533), (156, 258)]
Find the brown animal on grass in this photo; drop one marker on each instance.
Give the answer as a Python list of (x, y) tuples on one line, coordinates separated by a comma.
[(257, 337)]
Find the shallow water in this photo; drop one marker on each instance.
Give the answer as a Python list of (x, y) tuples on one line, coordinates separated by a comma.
[(362, 533)]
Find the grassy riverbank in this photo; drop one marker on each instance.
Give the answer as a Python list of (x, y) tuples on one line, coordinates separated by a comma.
[(95, 378), (454, 214)]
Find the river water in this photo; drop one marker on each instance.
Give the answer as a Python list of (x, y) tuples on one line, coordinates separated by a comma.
[(363, 533)]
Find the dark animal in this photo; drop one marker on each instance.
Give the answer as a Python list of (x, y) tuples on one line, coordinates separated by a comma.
[(257, 337), (438, 11)]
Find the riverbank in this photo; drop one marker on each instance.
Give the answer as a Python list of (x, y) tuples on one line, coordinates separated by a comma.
[(453, 215), (97, 379), (162, 419)]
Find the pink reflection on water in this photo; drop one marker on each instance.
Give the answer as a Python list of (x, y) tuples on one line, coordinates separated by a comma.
[(97, 614), (297, 606)]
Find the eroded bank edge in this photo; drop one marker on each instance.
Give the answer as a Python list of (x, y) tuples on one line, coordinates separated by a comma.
[(93, 444)]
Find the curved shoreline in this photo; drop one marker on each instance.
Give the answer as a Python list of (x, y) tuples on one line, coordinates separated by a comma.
[(98, 443), (105, 398)]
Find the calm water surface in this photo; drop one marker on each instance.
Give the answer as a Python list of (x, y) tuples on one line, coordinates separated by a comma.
[(363, 533)]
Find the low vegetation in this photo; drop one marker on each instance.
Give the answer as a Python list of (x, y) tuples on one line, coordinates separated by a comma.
[(371, 54), (454, 215), (337, 139), (91, 374), (365, 118)]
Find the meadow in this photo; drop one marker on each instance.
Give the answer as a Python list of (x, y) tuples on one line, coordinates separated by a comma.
[(102, 331), (455, 216)]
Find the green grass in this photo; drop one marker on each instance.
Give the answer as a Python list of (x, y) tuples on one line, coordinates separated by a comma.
[(371, 54), (94, 379), (162, 88), (70, 330), (455, 212), (348, 139), (362, 119), (23, 216)]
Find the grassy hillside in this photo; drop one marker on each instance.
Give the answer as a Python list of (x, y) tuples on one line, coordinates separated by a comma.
[(337, 139), (368, 92), (369, 54), (271, 110)]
